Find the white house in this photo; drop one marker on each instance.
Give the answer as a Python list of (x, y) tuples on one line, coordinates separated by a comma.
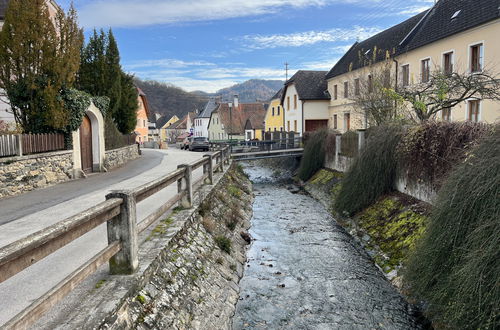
[(305, 102), (203, 119)]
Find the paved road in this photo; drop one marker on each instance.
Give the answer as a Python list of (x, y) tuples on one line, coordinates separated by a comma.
[(26, 214)]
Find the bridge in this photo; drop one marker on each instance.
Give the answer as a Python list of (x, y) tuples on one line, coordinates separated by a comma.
[(253, 150)]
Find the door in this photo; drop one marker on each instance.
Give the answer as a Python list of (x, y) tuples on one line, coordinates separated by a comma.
[(313, 125), (86, 144)]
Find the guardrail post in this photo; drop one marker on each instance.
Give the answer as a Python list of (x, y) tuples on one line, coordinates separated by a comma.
[(227, 155), (209, 168), (187, 201), (361, 139), (123, 228), (221, 160), (338, 142)]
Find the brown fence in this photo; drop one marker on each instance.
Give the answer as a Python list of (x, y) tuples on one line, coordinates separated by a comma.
[(119, 212), (27, 144)]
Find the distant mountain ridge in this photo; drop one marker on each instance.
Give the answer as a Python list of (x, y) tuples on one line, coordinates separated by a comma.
[(252, 90), (168, 99)]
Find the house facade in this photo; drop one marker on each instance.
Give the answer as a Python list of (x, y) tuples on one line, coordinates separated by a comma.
[(452, 36), (184, 126), (142, 126), (305, 102), (203, 119), (162, 123), (275, 118)]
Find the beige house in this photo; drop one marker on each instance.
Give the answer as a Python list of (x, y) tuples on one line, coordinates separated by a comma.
[(452, 36), (182, 126), (305, 102), (163, 123)]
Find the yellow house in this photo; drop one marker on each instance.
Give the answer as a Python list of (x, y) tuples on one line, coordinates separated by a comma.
[(275, 119), (452, 36), (163, 123)]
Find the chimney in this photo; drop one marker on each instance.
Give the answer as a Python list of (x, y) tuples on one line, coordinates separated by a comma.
[(235, 100), (218, 99)]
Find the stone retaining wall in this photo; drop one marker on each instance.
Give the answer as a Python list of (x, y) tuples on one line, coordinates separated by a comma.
[(185, 279), (119, 157), (26, 173)]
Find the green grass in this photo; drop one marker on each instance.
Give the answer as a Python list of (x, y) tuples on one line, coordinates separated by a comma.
[(223, 243)]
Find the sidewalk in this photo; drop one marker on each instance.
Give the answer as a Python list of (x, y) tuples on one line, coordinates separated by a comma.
[(19, 291)]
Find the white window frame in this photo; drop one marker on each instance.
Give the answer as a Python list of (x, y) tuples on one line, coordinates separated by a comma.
[(469, 56), (344, 94), (452, 51), (430, 65), (479, 115)]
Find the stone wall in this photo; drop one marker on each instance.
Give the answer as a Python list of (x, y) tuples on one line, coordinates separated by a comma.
[(186, 277), (119, 157), (26, 173)]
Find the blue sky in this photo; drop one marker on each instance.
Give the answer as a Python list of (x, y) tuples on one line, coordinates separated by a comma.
[(211, 44)]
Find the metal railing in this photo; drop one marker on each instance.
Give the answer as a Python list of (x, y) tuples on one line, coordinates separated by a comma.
[(259, 146), (119, 212)]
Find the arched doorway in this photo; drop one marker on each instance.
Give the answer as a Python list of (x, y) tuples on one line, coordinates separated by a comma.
[(86, 145)]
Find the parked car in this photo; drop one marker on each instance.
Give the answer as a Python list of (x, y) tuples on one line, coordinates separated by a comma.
[(184, 144), (199, 143)]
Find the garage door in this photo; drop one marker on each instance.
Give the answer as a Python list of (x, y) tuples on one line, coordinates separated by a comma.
[(313, 125)]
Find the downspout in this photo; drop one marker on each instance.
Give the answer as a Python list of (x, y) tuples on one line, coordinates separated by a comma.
[(396, 83), (303, 120)]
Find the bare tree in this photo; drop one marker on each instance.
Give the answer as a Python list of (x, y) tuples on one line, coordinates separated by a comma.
[(371, 99), (444, 91)]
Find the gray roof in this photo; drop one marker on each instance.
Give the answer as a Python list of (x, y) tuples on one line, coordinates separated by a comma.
[(310, 85), (438, 23), (362, 53), (3, 8), (278, 94), (209, 108)]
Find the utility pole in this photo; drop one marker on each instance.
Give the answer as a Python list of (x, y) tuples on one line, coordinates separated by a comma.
[(286, 71)]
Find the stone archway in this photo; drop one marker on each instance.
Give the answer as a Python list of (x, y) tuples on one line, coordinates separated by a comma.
[(94, 127)]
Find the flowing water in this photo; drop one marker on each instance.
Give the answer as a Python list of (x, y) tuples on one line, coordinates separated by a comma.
[(305, 272)]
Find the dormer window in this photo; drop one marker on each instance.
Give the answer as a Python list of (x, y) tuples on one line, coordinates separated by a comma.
[(455, 15)]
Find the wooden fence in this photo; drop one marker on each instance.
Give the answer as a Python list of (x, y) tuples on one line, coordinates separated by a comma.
[(27, 144), (119, 212)]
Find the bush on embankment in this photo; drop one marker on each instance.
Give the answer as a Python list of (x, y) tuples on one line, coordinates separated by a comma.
[(316, 147), (455, 266), (373, 172)]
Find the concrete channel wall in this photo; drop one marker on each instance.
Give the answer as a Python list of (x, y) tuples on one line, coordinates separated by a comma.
[(185, 280)]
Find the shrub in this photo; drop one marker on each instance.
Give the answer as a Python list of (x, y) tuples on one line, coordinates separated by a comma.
[(113, 138), (429, 151), (223, 243), (455, 266), (372, 174), (314, 154)]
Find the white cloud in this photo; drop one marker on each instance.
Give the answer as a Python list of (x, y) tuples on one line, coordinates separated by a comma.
[(128, 13), (309, 37), (167, 63)]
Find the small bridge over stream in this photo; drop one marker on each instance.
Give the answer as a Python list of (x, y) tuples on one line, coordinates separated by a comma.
[(253, 150)]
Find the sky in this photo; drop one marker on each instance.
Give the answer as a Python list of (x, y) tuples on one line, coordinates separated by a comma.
[(211, 44)]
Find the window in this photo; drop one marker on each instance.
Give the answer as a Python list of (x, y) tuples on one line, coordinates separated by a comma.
[(281, 129), (279, 110), (273, 111), (356, 86), (288, 102), (295, 126), (473, 110), (295, 101), (405, 71), (370, 83), (347, 121), (448, 63), (476, 58), (446, 114), (335, 94), (425, 68), (346, 89), (335, 122), (288, 126), (275, 129), (269, 129)]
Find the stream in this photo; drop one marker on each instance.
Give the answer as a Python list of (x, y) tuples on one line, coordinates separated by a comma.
[(305, 272)]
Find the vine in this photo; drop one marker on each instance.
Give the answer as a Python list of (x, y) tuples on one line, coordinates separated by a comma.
[(102, 103)]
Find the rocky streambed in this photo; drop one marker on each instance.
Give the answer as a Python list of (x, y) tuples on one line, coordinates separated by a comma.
[(304, 271)]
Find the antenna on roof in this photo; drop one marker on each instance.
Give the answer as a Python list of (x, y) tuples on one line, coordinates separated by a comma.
[(286, 71)]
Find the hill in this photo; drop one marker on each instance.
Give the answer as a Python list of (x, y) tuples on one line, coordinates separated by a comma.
[(167, 99), (252, 90)]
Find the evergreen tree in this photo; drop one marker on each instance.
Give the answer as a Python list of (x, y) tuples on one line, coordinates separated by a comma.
[(92, 74), (127, 119), (113, 75), (38, 59)]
